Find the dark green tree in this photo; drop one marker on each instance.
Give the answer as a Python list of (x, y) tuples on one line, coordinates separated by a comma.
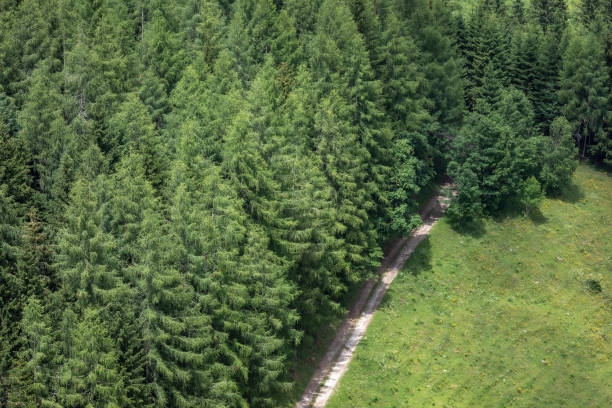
[(559, 156), (10, 287), (14, 169), (584, 95)]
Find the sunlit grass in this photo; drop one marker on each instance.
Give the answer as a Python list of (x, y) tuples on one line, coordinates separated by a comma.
[(505, 316)]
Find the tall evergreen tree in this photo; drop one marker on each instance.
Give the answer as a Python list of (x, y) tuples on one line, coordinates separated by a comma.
[(348, 121), (559, 156), (89, 375), (584, 95), (14, 169), (44, 132), (10, 287), (38, 359), (132, 129)]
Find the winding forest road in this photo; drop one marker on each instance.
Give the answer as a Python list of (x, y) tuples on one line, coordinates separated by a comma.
[(340, 352)]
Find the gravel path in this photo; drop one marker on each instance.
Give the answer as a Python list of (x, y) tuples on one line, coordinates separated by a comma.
[(340, 352)]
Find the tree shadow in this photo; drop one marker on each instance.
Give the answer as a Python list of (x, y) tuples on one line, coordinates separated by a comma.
[(418, 263), (571, 193), (420, 260), (473, 228), (536, 216), (513, 208)]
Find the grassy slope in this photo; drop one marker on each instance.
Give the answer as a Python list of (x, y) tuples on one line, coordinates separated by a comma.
[(500, 317)]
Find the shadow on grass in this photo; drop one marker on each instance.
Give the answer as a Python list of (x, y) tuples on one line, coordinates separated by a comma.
[(536, 216), (473, 228), (418, 263), (512, 208), (420, 260), (571, 193)]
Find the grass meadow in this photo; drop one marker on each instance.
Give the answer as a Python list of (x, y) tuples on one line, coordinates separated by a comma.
[(515, 312)]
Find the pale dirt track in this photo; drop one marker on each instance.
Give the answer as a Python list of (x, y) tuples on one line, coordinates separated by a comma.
[(340, 352)]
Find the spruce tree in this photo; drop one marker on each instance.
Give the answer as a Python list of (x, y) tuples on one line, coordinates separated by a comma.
[(43, 132), (559, 156), (89, 375), (405, 107), (495, 152), (36, 375), (10, 287), (132, 129), (584, 95), (14, 168), (545, 98), (86, 250), (526, 58), (550, 14), (348, 120)]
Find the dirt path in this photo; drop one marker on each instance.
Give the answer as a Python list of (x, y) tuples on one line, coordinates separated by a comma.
[(340, 352)]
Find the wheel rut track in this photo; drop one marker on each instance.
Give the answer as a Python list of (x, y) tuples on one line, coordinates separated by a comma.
[(340, 352)]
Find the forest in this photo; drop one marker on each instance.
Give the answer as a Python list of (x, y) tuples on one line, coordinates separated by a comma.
[(188, 188)]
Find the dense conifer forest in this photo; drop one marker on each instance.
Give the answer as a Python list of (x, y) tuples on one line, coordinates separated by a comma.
[(188, 187)]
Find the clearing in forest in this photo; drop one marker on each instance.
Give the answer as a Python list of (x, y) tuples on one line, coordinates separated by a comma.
[(517, 312)]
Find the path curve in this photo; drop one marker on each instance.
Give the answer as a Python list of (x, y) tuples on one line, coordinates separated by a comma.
[(340, 352)]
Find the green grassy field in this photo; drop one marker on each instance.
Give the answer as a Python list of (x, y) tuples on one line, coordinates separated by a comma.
[(507, 315)]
